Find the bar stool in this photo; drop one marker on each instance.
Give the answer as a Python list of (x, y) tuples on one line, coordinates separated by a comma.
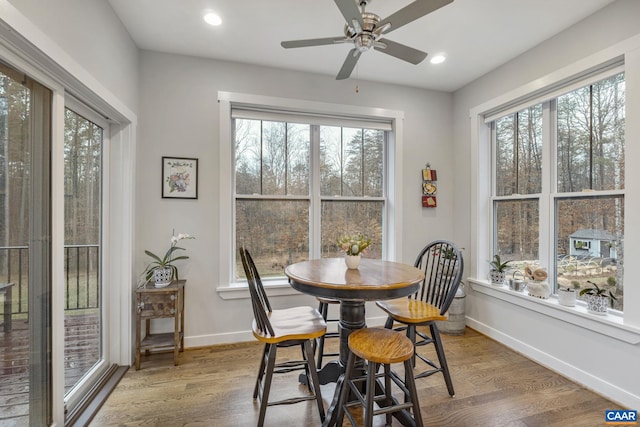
[(323, 308), (377, 347)]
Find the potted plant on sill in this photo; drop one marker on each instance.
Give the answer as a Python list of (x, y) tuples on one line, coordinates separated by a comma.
[(447, 257), (567, 293), (498, 270), (163, 270), (597, 298)]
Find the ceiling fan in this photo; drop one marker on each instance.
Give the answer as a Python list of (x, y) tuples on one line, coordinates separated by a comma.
[(365, 31)]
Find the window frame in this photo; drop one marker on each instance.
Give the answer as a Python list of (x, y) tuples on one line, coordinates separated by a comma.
[(228, 288), (549, 196), (315, 197), (626, 55)]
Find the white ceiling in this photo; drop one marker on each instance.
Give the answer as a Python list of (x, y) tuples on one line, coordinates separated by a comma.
[(476, 35)]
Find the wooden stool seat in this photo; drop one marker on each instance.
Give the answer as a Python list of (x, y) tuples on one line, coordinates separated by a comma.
[(379, 347), (409, 310), (296, 323)]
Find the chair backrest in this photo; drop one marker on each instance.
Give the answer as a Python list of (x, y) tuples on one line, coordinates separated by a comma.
[(443, 265), (259, 301)]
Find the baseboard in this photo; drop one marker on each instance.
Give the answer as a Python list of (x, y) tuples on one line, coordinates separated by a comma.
[(587, 380), (244, 336)]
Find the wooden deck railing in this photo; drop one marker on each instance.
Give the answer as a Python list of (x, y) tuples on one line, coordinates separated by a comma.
[(82, 276)]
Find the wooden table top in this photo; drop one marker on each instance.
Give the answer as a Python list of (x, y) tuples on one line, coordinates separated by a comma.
[(374, 279)]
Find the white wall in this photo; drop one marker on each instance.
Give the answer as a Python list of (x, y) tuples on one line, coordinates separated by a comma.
[(91, 34), (179, 116), (605, 364)]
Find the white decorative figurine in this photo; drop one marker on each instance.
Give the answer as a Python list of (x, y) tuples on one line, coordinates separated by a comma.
[(539, 289)]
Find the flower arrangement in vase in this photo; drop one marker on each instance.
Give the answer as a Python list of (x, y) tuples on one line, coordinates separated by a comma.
[(163, 270), (353, 247)]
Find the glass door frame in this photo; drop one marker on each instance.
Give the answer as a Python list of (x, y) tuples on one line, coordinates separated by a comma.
[(76, 395), (39, 242), (27, 57)]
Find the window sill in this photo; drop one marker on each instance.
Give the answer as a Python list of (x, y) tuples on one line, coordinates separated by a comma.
[(611, 325), (240, 290)]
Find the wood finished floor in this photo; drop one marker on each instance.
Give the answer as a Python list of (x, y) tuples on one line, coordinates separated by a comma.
[(213, 387)]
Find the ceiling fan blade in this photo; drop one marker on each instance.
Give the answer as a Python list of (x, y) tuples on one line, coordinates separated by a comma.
[(314, 42), (401, 51), (411, 12), (349, 64), (350, 11)]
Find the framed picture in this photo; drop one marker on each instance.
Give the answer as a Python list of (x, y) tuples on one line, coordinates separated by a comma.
[(179, 178)]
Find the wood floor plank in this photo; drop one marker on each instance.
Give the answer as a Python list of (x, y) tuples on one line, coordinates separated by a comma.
[(213, 386)]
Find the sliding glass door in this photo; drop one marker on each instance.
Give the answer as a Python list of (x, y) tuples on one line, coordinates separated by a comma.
[(28, 307), (25, 250), (84, 300)]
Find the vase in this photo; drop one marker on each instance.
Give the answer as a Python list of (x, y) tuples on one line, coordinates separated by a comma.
[(162, 277), (567, 297), (496, 277), (597, 304), (352, 261)]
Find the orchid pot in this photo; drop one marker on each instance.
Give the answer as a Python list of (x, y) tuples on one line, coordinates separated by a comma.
[(567, 297)]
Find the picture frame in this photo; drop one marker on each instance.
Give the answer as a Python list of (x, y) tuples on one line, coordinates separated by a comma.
[(179, 178)]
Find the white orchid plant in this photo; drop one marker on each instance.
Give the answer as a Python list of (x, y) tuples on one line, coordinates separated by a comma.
[(168, 259)]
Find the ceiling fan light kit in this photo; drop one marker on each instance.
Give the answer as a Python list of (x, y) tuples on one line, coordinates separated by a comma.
[(365, 31)]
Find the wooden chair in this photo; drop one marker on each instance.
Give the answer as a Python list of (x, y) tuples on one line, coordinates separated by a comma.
[(443, 265), (377, 347), (323, 308), (282, 328)]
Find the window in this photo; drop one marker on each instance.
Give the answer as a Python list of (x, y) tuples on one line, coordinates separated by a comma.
[(577, 192), (518, 177), (300, 186)]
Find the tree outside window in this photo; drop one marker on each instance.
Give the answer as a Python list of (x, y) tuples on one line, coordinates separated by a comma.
[(586, 190), (276, 190)]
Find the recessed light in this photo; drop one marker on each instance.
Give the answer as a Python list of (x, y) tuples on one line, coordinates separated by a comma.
[(212, 19), (438, 59)]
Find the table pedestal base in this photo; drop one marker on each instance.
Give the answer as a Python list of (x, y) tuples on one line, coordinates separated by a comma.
[(352, 317), (329, 373)]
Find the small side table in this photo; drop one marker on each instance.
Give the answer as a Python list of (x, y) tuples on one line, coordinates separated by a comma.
[(156, 303)]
